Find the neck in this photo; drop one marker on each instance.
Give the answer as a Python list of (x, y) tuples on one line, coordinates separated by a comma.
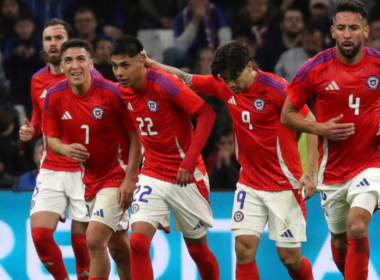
[(140, 82), (82, 89), (351, 61), (251, 79), (290, 42), (55, 69)]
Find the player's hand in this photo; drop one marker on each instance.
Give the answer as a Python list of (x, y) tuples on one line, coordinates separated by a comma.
[(75, 151), (112, 31), (148, 61), (336, 131), (184, 177), (125, 193), (308, 180), (26, 131)]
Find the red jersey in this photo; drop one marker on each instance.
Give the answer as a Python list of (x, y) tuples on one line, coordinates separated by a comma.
[(41, 82), (351, 90), (97, 120), (266, 150), (161, 111)]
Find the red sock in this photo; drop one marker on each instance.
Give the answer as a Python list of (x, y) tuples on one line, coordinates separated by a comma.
[(49, 252), (97, 278), (304, 273), (357, 259), (141, 265), (82, 257), (248, 271), (339, 258), (206, 262)]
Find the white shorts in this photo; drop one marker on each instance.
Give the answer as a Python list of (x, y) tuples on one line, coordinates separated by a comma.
[(105, 209), (154, 198), (56, 190), (336, 199), (253, 209)]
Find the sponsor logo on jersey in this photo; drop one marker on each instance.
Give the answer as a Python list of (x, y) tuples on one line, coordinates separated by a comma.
[(32, 204), (66, 116), (135, 208), (238, 216), (332, 86), (363, 183), (287, 233), (373, 82), (98, 113), (232, 100), (43, 95), (129, 106), (259, 104), (152, 105)]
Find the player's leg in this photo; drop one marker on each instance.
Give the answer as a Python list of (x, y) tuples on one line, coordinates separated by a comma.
[(249, 217), (48, 206), (119, 249), (339, 248), (78, 212), (148, 211), (287, 226)]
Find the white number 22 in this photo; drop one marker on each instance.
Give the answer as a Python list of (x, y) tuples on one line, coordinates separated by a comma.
[(148, 126), (353, 105)]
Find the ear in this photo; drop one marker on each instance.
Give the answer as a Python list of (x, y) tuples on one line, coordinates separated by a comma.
[(61, 64), (249, 66), (332, 30), (91, 64), (367, 29)]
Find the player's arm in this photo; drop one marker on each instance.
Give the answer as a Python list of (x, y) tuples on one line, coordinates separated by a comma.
[(73, 151), (309, 177), (185, 77)]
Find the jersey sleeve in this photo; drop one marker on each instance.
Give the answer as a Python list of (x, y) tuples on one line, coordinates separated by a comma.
[(37, 114), (206, 84), (301, 89), (50, 121), (125, 117)]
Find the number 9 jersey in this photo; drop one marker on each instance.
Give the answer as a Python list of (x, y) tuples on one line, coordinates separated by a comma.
[(352, 90)]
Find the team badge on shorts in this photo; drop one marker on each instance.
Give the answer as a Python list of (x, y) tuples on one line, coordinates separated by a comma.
[(135, 208), (373, 82), (259, 104), (152, 105), (32, 203), (238, 216), (98, 113)]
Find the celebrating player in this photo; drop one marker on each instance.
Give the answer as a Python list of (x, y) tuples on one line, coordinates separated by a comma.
[(267, 151), (344, 84), (86, 121), (59, 182), (173, 174)]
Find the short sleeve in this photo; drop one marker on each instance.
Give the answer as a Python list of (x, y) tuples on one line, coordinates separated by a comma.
[(206, 84)]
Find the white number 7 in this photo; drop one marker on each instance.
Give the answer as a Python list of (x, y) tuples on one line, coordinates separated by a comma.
[(87, 128), (353, 105)]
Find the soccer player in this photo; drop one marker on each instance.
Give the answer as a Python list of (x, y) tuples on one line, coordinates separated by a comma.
[(267, 151), (344, 84), (86, 120), (59, 182), (173, 175)]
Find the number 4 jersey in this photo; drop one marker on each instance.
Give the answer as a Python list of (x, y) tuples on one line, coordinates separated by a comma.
[(266, 150), (97, 120), (352, 90)]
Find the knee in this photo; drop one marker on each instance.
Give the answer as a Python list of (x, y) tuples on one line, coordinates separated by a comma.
[(339, 243), (42, 237), (291, 262), (140, 245), (95, 242), (357, 229), (244, 252)]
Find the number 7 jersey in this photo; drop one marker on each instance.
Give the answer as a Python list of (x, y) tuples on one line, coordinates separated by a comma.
[(352, 90)]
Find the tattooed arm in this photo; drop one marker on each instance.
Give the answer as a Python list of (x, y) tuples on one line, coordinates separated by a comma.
[(150, 63)]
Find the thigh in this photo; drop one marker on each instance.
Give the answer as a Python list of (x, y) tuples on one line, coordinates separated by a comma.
[(192, 212), (49, 194), (249, 214), (287, 223), (105, 209), (148, 203), (335, 206), (74, 189), (119, 241)]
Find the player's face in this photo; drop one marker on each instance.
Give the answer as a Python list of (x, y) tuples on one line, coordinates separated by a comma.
[(349, 31), (77, 64), (53, 38), (128, 70), (239, 84)]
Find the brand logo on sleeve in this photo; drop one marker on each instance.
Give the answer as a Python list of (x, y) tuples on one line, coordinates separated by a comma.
[(259, 104), (98, 113), (373, 82), (152, 106)]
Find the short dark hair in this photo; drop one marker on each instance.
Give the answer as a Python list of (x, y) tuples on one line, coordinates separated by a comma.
[(85, 9), (354, 6), (233, 56), (127, 46), (66, 26), (75, 43), (25, 17)]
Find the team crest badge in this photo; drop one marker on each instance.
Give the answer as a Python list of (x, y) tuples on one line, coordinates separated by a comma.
[(152, 105), (98, 113), (373, 82), (238, 216), (135, 208), (259, 104)]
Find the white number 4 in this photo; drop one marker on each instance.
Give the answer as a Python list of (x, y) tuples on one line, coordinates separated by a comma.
[(353, 105)]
